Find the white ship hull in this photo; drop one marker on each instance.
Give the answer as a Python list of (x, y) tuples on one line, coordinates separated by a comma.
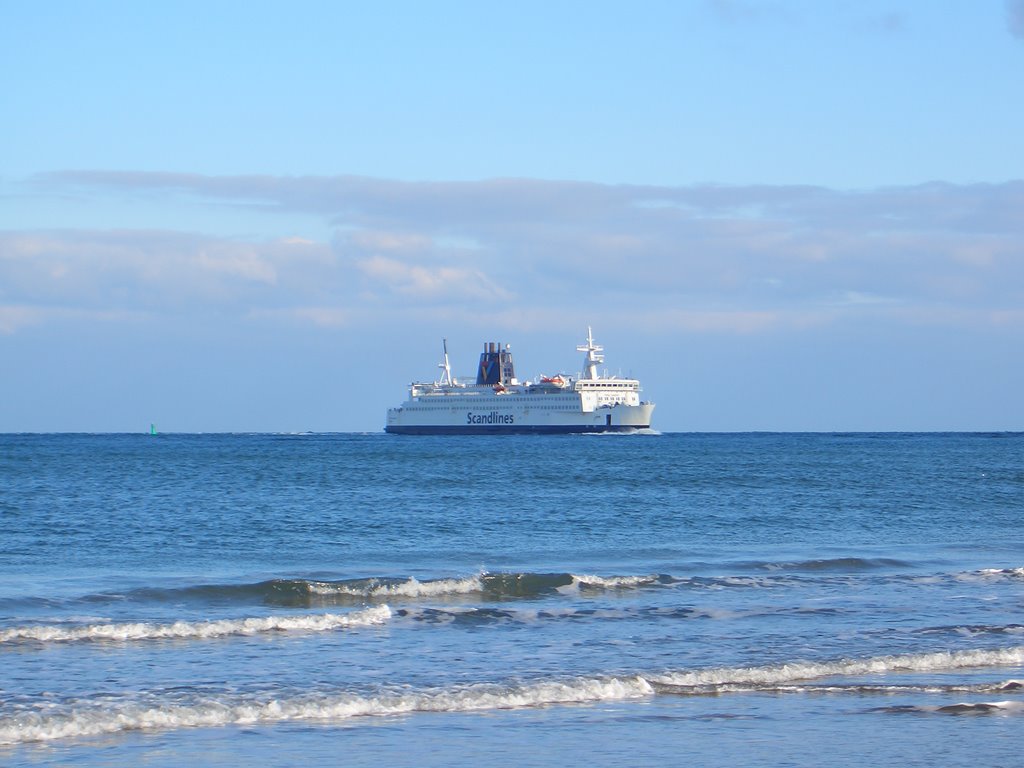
[(501, 404), (513, 414)]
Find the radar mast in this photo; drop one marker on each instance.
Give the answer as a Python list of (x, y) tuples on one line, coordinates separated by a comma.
[(446, 378), (592, 359)]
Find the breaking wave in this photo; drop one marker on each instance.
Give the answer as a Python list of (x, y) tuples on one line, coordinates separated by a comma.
[(475, 616), (807, 670), (612, 582), (106, 718), (312, 592), (194, 629), (486, 585), (996, 574), (492, 586), (183, 709), (409, 588)]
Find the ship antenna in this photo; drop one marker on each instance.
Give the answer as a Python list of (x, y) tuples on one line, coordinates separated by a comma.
[(592, 359)]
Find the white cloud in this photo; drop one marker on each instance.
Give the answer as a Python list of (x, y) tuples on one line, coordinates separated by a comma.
[(860, 299), (735, 321), (13, 318), (322, 317), (416, 280), (242, 262), (390, 241), (143, 269), (703, 259)]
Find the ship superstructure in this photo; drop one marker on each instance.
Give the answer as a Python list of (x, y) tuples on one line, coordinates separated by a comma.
[(499, 403)]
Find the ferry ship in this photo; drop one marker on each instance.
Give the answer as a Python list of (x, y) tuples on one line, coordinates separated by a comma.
[(498, 403)]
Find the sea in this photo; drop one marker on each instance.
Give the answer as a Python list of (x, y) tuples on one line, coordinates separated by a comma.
[(602, 600)]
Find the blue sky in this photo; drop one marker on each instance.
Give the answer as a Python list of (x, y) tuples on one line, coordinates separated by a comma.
[(780, 215)]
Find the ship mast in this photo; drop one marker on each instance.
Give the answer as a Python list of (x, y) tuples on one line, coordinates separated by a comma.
[(446, 379), (592, 359)]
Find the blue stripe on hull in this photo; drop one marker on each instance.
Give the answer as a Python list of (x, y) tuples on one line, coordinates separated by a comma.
[(503, 429)]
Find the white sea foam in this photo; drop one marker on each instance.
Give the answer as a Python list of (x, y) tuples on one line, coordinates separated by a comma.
[(177, 710), (79, 721), (327, 588), (624, 433), (990, 575), (412, 588), (195, 629), (754, 582), (608, 582), (415, 588), (789, 673), (1002, 573)]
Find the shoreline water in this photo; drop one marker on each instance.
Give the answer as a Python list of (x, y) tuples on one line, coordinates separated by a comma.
[(241, 598)]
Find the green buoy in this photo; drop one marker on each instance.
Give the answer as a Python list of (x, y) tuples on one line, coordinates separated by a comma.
[(152, 429)]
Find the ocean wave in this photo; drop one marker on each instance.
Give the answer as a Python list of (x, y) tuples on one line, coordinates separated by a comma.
[(499, 585), (887, 689), (467, 616), (471, 616), (843, 564), (176, 708), (187, 630), (389, 589), (308, 593), (317, 592), (995, 574), (703, 679), (107, 718), (608, 583), (973, 630), (512, 584)]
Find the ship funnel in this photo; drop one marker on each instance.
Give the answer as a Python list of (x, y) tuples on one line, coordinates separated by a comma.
[(496, 366)]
